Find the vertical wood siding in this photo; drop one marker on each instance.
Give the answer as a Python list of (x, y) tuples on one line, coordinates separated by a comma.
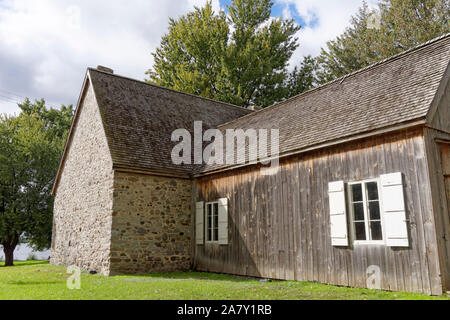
[(438, 174), (279, 224)]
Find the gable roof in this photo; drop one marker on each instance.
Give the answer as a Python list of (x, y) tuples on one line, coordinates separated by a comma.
[(390, 93), (139, 119)]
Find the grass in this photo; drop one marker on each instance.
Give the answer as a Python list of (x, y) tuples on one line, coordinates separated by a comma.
[(37, 280)]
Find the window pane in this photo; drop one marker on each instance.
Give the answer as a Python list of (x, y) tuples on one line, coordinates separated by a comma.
[(372, 191), (209, 223), (216, 222), (374, 210), (357, 192), (216, 209), (360, 231), (375, 230), (209, 237), (358, 209)]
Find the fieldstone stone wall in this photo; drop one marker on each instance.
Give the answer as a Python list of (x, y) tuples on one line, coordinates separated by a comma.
[(83, 202), (151, 225)]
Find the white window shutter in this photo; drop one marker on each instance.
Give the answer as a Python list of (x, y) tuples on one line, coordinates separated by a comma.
[(223, 221), (199, 220), (338, 214), (394, 212)]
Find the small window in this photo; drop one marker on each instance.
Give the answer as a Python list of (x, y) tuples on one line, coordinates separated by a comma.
[(212, 222), (367, 224)]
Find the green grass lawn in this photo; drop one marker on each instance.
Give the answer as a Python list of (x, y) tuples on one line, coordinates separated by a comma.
[(39, 280)]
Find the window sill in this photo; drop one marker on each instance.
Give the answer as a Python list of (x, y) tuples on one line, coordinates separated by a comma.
[(368, 243)]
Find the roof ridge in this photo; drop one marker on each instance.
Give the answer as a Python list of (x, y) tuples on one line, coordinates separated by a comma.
[(168, 89), (341, 79)]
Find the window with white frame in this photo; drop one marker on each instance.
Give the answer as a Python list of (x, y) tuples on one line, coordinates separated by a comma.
[(367, 224), (376, 211), (212, 222)]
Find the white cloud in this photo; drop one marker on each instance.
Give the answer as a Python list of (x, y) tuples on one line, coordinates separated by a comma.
[(46, 45), (287, 13), (325, 20)]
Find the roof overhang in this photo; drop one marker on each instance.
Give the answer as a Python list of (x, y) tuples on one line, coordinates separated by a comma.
[(445, 83), (153, 172), (398, 127)]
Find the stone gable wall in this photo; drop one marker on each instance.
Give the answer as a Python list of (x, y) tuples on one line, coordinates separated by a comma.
[(151, 225), (83, 202)]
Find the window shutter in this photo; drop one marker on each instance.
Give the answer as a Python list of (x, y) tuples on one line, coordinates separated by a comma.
[(394, 213), (223, 221), (199, 218), (338, 214)]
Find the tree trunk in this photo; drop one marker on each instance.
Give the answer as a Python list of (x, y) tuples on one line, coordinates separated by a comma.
[(9, 255), (8, 249)]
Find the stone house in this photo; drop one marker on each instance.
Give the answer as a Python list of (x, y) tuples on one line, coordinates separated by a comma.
[(361, 194)]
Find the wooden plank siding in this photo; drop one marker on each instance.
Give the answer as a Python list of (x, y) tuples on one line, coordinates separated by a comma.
[(439, 197), (279, 224), (437, 141)]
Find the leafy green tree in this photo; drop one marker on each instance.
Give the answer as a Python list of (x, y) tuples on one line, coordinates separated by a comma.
[(408, 23), (302, 78), (190, 56), (403, 25), (58, 121), (30, 149), (240, 59)]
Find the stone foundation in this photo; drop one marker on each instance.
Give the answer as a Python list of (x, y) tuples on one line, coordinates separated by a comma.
[(151, 224)]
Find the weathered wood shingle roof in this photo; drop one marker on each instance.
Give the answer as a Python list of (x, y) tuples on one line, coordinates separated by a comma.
[(395, 91), (139, 119)]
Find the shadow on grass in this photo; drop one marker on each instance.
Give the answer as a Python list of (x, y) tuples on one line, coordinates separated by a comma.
[(190, 276), (31, 283), (24, 263)]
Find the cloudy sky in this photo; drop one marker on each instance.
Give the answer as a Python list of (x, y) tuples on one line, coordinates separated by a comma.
[(46, 45)]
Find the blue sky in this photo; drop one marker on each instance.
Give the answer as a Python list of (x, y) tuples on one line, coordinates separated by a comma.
[(277, 11), (46, 45)]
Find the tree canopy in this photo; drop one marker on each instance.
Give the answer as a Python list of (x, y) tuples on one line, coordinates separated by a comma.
[(403, 24), (302, 78), (241, 58), (30, 149)]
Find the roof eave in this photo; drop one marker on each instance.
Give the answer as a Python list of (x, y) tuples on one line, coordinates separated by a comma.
[(401, 126), (154, 172)]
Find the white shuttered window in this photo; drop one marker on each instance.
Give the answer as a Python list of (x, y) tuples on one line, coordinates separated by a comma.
[(394, 211), (365, 208), (377, 212), (338, 213), (216, 222)]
